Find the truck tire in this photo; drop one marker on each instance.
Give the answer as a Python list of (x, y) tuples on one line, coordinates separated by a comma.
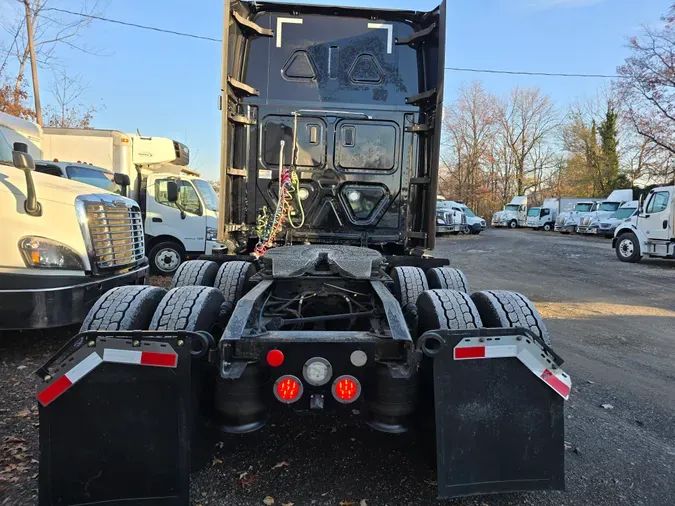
[(165, 257), (124, 308), (447, 309), (232, 279), (500, 308), (447, 278), (628, 248), (513, 224), (409, 283), (195, 273), (548, 227), (188, 308)]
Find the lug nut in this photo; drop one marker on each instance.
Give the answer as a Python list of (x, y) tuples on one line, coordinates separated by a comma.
[(136, 344), (48, 378), (481, 339), (180, 342)]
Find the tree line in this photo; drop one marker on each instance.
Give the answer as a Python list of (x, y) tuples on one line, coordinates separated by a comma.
[(494, 148)]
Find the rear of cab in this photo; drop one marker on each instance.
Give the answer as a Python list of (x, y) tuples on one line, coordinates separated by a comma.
[(56, 263)]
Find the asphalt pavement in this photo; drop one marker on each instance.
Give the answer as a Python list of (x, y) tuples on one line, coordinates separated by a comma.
[(613, 323)]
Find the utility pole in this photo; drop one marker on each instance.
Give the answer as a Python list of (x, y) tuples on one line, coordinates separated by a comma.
[(33, 63)]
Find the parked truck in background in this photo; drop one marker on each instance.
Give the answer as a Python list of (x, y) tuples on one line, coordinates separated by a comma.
[(567, 221), (174, 231), (590, 223), (513, 215), (623, 214), (544, 217), (450, 218), (64, 244), (651, 230)]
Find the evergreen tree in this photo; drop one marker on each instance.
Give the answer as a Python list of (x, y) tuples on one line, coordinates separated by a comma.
[(609, 155)]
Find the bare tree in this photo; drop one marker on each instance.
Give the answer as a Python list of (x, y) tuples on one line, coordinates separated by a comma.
[(68, 111), (469, 128), (51, 30), (648, 84), (526, 117)]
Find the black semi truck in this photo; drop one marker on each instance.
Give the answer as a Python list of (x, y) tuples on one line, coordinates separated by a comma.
[(323, 299)]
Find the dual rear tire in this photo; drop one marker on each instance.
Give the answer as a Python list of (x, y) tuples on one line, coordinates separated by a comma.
[(443, 302)]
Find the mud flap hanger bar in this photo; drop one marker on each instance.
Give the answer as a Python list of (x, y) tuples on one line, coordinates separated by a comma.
[(518, 343), (87, 350)]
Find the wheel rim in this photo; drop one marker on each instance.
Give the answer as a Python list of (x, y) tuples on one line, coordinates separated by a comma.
[(167, 260), (626, 248), (513, 224), (547, 228)]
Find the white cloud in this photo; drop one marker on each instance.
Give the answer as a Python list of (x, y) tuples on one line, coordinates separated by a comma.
[(555, 4)]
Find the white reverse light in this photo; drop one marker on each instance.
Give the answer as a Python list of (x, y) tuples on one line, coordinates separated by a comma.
[(317, 371)]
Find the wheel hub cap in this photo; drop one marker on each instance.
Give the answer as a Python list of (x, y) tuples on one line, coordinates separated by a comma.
[(167, 260), (626, 248)]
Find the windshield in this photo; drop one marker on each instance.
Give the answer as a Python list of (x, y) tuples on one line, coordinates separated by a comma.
[(609, 206), (533, 212), (93, 177), (208, 194), (5, 150), (623, 213), (512, 207), (584, 208), (468, 212), (443, 204)]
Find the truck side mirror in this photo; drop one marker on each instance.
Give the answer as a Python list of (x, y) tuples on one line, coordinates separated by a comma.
[(22, 160), (172, 191), (121, 179)]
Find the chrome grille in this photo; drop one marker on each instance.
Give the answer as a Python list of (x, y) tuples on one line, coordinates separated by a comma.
[(463, 219), (586, 221), (560, 221), (116, 230)]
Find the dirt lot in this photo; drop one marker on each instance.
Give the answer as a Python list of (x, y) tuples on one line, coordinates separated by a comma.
[(613, 323)]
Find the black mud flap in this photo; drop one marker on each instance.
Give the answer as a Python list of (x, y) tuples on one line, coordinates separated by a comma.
[(115, 420), (498, 403)]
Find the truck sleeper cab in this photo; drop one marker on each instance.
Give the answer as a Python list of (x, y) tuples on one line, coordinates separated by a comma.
[(331, 147)]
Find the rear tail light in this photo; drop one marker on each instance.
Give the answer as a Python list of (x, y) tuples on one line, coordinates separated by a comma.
[(288, 389), (346, 389)]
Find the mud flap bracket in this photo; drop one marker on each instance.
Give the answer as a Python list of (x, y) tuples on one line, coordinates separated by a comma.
[(499, 423)]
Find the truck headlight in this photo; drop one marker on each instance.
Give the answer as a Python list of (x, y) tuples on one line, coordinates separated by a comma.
[(211, 234), (440, 221), (48, 254)]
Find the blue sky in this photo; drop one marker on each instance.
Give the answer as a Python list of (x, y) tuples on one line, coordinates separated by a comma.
[(167, 86)]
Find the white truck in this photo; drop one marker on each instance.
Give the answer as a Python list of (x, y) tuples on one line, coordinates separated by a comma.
[(624, 213), (513, 215), (64, 243), (156, 167), (567, 221), (450, 218), (544, 217), (590, 223), (651, 231)]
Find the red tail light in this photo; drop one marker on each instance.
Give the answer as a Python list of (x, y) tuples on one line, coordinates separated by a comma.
[(288, 389), (346, 389)]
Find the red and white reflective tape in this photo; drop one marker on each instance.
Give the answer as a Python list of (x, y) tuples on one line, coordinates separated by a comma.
[(112, 355), (152, 358), (527, 351), (79, 371)]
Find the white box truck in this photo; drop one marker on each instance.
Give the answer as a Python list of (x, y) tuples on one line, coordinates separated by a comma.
[(174, 231), (64, 243), (545, 216), (513, 215), (651, 231)]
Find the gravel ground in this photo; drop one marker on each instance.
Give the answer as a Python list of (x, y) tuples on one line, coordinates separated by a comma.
[(612, 322)]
